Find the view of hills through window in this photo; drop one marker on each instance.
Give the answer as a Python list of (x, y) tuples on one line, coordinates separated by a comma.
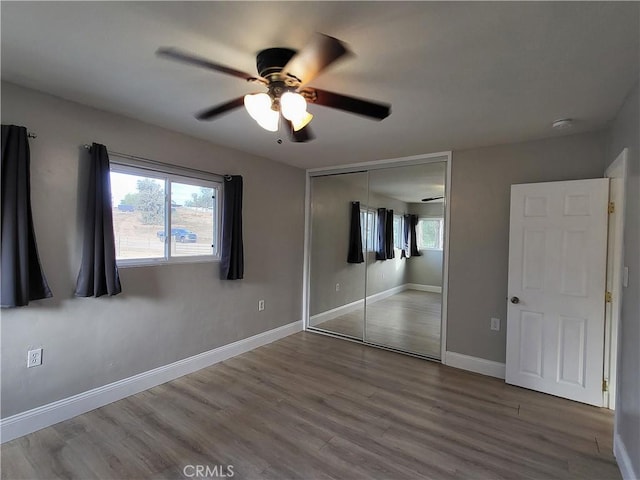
[(143, 215)]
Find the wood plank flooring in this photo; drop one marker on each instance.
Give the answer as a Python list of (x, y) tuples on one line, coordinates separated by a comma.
[(409, 321), (315, 407)]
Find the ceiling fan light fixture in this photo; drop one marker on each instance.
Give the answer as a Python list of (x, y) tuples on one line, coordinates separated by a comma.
[(286, 74), (258, 106)]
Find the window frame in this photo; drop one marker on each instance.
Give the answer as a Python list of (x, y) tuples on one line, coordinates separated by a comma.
[(440, 244), (173, 174)]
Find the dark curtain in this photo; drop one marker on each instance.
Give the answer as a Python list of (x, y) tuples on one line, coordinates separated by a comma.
[(381, 243), (414, 239), (232, 255), (355, 236), (98, 272), (388, 236), (22, 277), (405, 236)]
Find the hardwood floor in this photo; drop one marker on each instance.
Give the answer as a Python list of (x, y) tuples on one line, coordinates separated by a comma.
[(409, 321), (315, 407)]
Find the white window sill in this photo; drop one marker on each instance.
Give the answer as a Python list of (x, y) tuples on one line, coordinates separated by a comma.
[(154, 262)]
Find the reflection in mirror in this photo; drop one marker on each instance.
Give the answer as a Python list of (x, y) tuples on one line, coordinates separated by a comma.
[(376, 257), (339, 235), (404, 270)]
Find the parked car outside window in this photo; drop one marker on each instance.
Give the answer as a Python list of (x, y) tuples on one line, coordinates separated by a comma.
[(181, 235)]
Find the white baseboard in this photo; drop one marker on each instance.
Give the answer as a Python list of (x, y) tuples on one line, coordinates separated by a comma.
[(26, 422), (358, 304), (423, 288), (623, 459), (336, 312), (376, 297), (475, 364)]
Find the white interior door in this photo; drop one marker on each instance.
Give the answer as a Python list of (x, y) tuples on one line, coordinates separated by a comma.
[(557, 274)]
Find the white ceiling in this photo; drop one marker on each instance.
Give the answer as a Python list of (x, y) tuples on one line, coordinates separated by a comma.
[(408, 183), (411, 183), (457, 74)]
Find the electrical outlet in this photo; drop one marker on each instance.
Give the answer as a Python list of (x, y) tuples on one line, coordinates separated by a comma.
[(34, 358), (260, 305), (495, 324), (337, 287)]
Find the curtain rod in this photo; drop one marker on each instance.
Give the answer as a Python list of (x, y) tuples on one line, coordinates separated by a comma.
[(162, 164), (32, 135)]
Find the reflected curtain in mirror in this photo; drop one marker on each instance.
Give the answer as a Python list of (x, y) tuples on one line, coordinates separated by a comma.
[(405, 236), (388, 236), (381, 237), (354, 254), (414, 237), (98, 271), (232, 254), (22, 277)]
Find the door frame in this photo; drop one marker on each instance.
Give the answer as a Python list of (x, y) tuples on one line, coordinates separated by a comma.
[(617, 169), (377, 165)]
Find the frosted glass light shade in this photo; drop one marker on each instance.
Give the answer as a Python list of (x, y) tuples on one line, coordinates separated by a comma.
[(302, 122), (258, 105), (293, 106)]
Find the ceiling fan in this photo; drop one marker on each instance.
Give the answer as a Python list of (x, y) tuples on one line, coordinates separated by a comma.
[(285, 73), (431, 199)]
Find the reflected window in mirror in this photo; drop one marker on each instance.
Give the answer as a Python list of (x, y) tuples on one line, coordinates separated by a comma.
[(367, 228), (430, 233), (397, 231)]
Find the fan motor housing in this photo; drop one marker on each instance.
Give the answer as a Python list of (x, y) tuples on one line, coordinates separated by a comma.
[(272, 60)]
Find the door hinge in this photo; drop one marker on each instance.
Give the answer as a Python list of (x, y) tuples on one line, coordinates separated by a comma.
[(605, 385), (612, 207), (607, 297)]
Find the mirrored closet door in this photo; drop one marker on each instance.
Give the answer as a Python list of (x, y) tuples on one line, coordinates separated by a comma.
[(376, 256), (404, 271), (337, 289)]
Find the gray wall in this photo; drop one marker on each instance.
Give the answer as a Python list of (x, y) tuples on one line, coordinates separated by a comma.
[(166, 313), (624, 133), (331, 198), (427, 268), (479, 232)]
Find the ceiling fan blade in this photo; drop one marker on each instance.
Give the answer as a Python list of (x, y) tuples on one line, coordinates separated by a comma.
[(217, 110), (185, 57), (303, 135), (321, 51), (355, 105), (430, 199)]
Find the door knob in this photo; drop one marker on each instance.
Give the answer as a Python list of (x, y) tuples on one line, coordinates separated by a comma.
[(515, 300)]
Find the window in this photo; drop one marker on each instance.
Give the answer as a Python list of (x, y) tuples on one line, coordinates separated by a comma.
[(367, 228), (161, 217), (430, 233), (397, 231)]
